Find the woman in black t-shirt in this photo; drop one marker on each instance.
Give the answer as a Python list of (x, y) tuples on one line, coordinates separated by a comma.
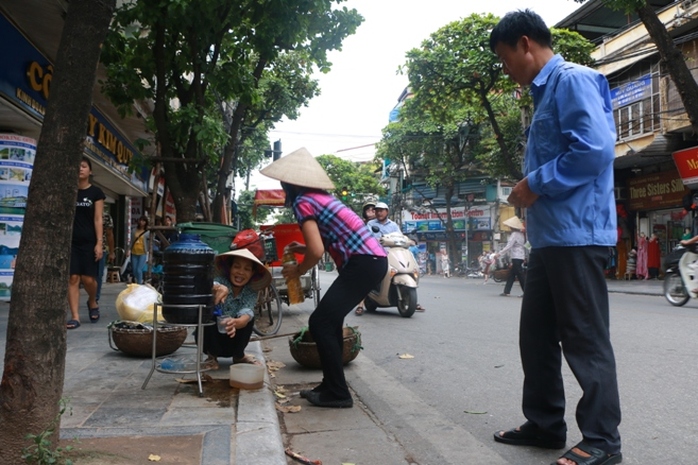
[(86, 248)]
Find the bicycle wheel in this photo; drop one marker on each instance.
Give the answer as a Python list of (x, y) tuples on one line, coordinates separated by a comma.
[(267, 312)]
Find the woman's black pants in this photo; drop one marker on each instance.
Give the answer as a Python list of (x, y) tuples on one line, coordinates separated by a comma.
[(358, 276)]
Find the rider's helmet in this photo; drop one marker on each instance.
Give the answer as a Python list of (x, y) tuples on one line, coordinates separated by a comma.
[(366, 206), (382, 205)]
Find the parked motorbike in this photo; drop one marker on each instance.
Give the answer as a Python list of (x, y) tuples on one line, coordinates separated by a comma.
[(399, 286), (681, 275), (472, 271)]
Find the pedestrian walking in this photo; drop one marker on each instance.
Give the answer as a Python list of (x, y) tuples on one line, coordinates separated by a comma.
[(86, 246), (445, 264), (571, 222), (516, 250)]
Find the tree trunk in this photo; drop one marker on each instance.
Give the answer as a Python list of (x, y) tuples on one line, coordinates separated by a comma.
[(674, 61), (32, 382)]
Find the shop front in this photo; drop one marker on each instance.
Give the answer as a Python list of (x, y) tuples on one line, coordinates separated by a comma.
[(472, 228), (655, 203), (25, 83)]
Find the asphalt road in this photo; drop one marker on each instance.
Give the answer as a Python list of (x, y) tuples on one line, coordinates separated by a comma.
[(466, 372)]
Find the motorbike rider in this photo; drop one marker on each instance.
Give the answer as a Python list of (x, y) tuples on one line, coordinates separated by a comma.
[(385, 226), (367, 212)]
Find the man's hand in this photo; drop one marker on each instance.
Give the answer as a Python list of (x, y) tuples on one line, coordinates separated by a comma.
[(521, 195)]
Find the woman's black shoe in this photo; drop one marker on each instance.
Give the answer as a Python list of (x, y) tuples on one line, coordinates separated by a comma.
[(322, 400), (304, 392)]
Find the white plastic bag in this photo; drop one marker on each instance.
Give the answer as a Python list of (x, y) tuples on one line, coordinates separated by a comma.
[(136, 302)]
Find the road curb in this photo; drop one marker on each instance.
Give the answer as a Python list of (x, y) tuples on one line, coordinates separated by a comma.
[(257, 430)]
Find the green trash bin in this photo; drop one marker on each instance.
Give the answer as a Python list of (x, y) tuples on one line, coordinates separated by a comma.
[(215, 235)]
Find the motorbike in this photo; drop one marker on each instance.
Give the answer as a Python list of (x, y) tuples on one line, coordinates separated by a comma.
[(473, 271), (681, 275), (399, 286)]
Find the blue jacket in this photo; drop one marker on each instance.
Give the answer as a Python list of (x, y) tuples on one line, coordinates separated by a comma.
[(569, 158)]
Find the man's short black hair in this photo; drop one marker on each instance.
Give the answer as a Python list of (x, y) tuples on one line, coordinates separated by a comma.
[(517, 24)]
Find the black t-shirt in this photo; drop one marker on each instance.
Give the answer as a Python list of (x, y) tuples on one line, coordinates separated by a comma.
[(84, 222)]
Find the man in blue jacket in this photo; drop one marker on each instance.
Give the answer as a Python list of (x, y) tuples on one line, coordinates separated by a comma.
[(571, 222)]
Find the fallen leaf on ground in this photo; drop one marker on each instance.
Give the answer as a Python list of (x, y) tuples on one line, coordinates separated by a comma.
[(405, 356), (278, 393), (204, 378), (288, 408), (474, 413), (273, 365), (153, 458)]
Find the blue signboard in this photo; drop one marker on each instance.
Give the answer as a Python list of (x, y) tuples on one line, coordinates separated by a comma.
[(632, 91), (25, 79)]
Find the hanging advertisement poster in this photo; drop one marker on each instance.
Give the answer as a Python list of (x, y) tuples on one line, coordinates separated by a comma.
[(16, 163), (10, 232)]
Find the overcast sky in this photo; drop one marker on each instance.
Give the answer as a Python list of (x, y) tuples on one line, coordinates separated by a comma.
[(363, 85)]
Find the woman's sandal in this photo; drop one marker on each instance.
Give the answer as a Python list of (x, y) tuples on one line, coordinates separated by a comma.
[(94, 314), (248, 359), (211, 362), (359, 310)]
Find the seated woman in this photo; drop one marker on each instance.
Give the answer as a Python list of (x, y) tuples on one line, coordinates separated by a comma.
[(240, 276)]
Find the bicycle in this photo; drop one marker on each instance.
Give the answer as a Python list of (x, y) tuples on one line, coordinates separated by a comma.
[(267, 311)]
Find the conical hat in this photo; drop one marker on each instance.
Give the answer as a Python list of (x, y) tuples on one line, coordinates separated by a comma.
[(514, 223), (260, 279), (299, 168)]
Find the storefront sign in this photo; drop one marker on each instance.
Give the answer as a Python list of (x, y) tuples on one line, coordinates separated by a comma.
[(477, 218), (632, 91), (25, 80), (687, 164), (656, 191)]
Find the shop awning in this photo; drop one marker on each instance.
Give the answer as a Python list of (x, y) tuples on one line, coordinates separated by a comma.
[(268, 197)]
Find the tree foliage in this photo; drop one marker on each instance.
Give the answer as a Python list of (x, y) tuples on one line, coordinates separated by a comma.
[(464, 115), (358, 179), (454, 77), (190, 59)]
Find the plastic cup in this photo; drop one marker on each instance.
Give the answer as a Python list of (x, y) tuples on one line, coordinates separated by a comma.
[(221, 321)]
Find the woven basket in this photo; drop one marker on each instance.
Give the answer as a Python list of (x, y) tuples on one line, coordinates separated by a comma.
[(304, 350), (136, 340)]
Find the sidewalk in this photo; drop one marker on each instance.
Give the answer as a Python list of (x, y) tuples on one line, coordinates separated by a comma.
[(118, 422), (643, 287)]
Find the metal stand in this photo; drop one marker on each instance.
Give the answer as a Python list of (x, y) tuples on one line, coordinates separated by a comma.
[(157, 361)]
